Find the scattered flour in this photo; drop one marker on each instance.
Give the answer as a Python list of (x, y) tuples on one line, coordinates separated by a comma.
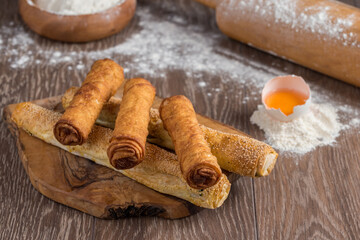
[(76, 7), (21, 61), (173, 44), (355, 122), (202, 84), (80, 66), (159, 45), (319, 127)]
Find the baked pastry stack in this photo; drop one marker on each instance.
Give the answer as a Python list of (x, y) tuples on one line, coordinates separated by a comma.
[(193, 173)]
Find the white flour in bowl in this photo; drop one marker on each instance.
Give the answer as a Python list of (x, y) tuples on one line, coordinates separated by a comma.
[(76, 7)]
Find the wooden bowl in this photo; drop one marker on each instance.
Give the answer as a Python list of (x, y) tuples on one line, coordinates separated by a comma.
[(77, 28)]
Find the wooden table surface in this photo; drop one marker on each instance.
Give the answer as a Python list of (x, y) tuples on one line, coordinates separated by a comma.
[(311, 196)]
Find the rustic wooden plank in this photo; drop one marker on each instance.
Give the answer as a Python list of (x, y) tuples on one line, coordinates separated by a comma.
[(309, 200)]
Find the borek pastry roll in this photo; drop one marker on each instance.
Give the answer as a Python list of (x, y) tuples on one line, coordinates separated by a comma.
[(159, 170), (235, 153), (198, 166), (127, 145), (241, 154), (108, 114), (102, 82)]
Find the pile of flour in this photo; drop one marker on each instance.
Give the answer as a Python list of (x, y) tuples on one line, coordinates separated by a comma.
[(320, 126), (76, 7)]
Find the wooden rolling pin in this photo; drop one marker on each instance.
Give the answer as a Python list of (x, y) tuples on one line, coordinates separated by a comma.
[(323, 35)]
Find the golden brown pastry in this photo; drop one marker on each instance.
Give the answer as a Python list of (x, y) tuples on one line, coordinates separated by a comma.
[(103, 80), (108, 114), (198, 165), (235, 153), (159, 170), (127, 145)]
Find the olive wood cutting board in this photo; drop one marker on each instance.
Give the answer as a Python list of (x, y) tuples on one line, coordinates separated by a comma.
[(99, 191)]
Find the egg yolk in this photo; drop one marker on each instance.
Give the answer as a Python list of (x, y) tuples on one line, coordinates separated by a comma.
[(285, 100)]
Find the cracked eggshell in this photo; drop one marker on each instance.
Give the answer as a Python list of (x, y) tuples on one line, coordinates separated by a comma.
[(290, 82)]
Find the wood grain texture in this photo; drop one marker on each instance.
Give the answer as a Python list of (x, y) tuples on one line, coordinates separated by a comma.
[(316, 199)]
